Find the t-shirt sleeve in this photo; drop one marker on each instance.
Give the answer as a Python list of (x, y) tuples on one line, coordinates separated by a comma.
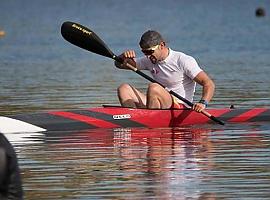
[(191, 67)]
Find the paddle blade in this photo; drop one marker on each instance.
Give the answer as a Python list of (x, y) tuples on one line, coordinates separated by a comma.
[(85, 38)]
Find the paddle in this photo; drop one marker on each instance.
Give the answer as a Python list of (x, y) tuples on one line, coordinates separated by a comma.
[(85, 38)]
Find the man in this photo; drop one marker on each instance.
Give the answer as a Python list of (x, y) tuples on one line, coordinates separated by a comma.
[(175, 70)]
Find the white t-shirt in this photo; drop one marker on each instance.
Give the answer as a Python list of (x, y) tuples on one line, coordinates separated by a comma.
[(176, 72)]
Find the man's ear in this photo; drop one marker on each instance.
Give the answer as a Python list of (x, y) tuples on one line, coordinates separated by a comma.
[(162, 44)]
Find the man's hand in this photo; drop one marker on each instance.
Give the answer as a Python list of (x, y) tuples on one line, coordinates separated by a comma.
[(127, 57), (129, 54), (198, 107)]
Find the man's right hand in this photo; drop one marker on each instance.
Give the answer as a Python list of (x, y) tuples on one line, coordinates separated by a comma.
[(127, 57)]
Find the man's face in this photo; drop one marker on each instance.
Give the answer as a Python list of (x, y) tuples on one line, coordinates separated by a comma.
[(152, 53)]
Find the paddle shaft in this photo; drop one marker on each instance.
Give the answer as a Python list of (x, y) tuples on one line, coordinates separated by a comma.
[(85, 38)]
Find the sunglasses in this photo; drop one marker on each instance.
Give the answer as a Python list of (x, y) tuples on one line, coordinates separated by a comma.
[(150, 51)]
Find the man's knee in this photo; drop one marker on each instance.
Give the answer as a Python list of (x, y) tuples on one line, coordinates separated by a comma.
[(154, 88), (123, 87)]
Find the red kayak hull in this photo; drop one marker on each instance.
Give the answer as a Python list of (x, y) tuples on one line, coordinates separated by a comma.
[(117, 117)]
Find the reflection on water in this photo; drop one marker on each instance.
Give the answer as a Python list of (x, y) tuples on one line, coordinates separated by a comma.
[(181, 163)]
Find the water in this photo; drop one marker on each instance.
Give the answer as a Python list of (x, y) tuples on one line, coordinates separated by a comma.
[(181, 163), (41, 71)]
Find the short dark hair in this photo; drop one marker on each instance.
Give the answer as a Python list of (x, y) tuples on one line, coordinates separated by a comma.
[(150, 38)]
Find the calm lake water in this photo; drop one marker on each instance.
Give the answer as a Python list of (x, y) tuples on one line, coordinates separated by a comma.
[(40, 71)]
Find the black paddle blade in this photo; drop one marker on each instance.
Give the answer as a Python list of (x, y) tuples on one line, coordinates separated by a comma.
[(85, 38)]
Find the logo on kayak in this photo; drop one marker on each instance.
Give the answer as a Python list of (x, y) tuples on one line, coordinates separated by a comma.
[(126, 116)]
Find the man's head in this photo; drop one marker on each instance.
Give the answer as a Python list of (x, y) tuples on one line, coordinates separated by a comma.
[(150, 39), (153, 46)]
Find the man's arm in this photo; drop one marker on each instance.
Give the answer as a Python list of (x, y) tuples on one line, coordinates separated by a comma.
[(208, 90)]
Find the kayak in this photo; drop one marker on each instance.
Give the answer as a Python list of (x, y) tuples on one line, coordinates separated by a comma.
[(109, 117)]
